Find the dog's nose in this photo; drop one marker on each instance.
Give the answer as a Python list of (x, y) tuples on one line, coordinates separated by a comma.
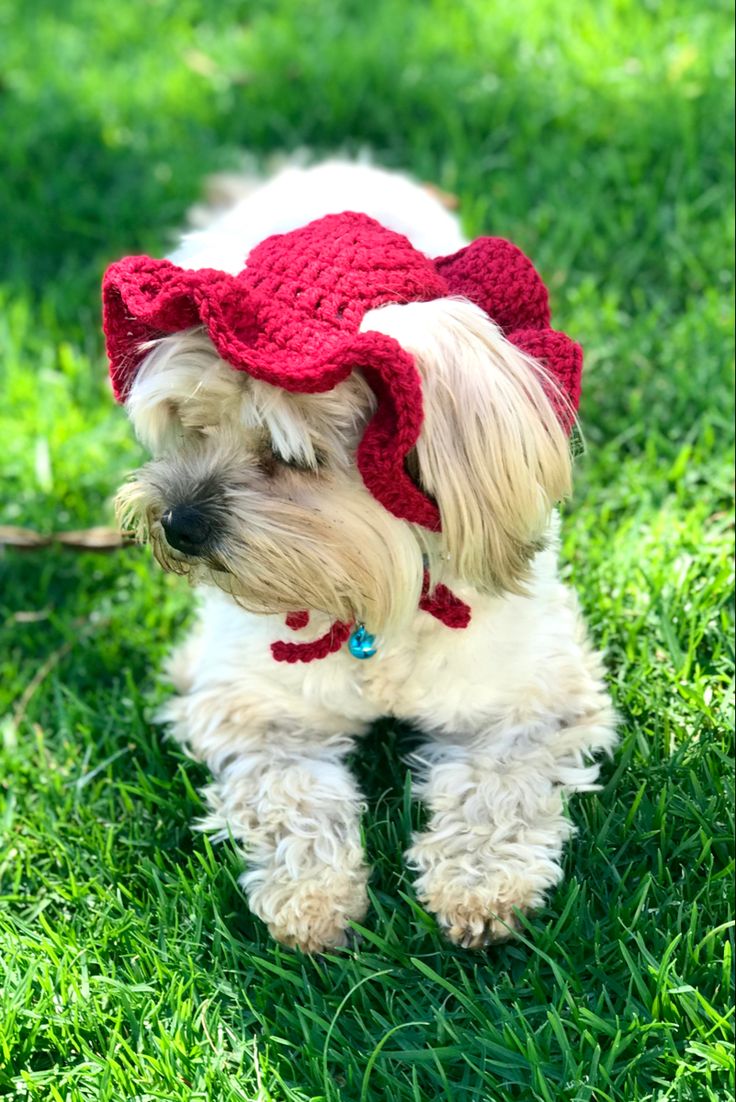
[(186, 528)]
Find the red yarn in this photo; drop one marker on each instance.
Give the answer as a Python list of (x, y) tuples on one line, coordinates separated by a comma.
[(444, 605), (563, 359), (292, 316), (497, 276), (297, 620), (328, 643)]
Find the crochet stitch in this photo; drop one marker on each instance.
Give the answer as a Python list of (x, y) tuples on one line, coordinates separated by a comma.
[(328, 643)]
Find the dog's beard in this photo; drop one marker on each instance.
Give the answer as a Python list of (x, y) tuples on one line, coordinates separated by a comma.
[(284, 543)]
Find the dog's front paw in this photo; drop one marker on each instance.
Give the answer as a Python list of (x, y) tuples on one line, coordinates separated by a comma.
[(312, 914), (474, 920), (477, 902)]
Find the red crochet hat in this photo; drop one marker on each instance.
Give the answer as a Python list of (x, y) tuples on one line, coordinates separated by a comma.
[(292, 318)]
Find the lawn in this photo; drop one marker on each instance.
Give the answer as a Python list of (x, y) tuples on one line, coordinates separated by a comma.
[(598, 137)]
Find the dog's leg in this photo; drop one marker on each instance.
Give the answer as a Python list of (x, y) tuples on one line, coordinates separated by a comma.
[(282, 791), (297, 817), (497, 821)]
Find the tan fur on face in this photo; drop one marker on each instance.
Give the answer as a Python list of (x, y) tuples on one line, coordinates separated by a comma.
[(491, 451)]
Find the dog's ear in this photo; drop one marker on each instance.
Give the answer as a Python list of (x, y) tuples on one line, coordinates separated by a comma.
[(492, 452)]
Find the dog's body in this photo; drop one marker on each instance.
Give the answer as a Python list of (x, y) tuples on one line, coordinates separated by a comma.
[(513, 706)]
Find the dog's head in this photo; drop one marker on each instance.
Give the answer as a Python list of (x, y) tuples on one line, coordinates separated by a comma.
[(258, 489)]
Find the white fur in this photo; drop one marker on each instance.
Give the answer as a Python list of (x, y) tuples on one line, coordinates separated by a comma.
[(514, 708), (296, 196)]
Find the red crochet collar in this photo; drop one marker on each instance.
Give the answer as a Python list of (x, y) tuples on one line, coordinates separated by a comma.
[(439, 602), (292, 318)]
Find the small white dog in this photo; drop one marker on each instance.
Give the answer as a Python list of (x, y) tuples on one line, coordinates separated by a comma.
[(371, 444)]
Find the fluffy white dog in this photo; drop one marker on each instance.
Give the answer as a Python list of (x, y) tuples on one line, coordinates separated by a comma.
[(398, 508)]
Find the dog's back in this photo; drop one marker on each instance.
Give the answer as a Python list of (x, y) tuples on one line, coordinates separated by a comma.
[(243, 210)]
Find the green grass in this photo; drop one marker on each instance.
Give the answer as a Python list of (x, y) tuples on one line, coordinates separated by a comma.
[(598, 136)]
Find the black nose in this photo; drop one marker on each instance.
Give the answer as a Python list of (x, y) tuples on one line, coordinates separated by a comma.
[(186, 528)]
